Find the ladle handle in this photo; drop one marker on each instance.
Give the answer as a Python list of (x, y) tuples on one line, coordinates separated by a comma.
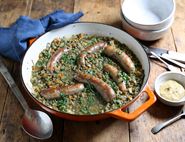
[(4, 71)]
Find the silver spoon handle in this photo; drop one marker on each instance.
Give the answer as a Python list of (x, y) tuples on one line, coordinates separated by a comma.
[(159, 58), (160, 126), (173, 61), (170, 67), (4, 71)]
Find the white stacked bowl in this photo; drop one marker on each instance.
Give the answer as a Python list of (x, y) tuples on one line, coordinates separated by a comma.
[(147, 19)]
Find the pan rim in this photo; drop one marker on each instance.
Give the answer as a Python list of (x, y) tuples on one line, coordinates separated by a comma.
[(85, 115)]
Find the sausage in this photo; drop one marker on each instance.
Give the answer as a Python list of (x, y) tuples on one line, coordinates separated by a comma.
[(113, 71), (54, 93), (121, 57), (90, 49), (54, 58), (103, 88), (72, 89)]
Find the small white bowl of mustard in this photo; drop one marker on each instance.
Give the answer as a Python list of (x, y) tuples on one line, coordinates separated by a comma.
[(170, 88)]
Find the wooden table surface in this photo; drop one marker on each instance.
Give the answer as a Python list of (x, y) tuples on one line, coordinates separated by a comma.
[(109, 130)]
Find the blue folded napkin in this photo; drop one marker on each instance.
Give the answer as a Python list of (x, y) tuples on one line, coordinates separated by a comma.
[(13, 40)]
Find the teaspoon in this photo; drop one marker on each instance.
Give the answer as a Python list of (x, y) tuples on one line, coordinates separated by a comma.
[(160, 126)]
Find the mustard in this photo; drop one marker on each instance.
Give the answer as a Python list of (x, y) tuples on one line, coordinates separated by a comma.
[(172, 90)]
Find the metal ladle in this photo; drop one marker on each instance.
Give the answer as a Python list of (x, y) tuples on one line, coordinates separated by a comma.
[(35, 123)]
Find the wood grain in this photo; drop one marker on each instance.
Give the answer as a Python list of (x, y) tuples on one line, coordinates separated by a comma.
[(178, 27), (9, 122), (103, 11), (11, 10), (10, 128), (4, 88), (43, 7), (108, 130)]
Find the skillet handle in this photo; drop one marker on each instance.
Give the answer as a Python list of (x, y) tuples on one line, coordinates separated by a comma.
[(119, 114), (31, 40)]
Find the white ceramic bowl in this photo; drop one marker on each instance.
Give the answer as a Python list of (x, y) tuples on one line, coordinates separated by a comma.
[(177, 76), (148, 14), (144, 34)]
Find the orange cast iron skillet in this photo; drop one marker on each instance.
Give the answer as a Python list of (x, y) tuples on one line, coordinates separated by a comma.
[(118, 113)]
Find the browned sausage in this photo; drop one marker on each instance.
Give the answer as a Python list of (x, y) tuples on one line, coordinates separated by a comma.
[(113, 71), (121, 57), (90, 49), (72, 89), (103, 88), (54, 93), (54, 58)]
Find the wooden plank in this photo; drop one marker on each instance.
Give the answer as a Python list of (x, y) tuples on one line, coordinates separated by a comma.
[(10, 128), (103, 11), (4, 88), (178, 26), (140, 129), (109, 130), (8, 15), (10, 123), (44, 7), (11, 10), (106, 130)]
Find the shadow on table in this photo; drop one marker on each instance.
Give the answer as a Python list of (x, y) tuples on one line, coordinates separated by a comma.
[(162, 111), (157, 110)]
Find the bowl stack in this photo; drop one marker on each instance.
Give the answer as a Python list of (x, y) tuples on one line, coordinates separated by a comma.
[(147, 19)]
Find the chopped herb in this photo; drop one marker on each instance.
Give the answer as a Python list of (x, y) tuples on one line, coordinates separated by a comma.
[(89, 101), (62, 103)]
